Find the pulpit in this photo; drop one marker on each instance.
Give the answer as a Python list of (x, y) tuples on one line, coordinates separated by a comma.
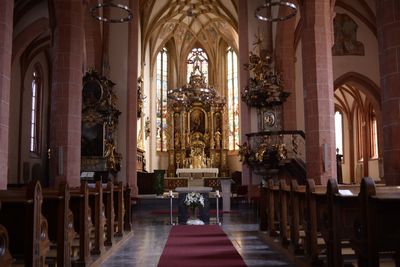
[(183, 208)]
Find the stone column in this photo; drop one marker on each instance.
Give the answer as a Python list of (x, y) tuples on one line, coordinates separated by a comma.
[(245, 112), (93, 40), (133, 47), (66, 93), (285, 62), (6, 29), (318, 91), (388, 25)]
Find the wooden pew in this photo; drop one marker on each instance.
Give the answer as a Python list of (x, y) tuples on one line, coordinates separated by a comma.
[(21, 214), (119, 209), (298, 204), (98, 217), (378, 230), (262, 210), (79, 205), (315, 221), (5, 257), (61, 229), (284, 209), (108, 200), (273, 198), (128, 210), (343, 211)]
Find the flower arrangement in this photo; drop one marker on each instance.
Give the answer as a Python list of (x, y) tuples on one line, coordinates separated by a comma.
[(194, 200)]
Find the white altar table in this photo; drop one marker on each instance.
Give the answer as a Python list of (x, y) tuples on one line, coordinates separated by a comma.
[(210, 172)]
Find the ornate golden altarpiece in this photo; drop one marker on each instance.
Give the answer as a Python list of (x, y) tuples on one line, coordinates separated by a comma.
[(197, 127)]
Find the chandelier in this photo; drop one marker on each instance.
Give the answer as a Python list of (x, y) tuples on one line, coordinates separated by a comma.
[(278, 3), (99, 8), (265, 86)]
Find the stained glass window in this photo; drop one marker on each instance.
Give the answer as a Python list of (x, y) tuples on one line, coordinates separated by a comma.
[(197, 56), (162, 82), (374, 135), (339, 132), (233, 98), (34, 135)]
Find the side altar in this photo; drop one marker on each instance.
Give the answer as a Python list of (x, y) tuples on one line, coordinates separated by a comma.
[(197, 127)]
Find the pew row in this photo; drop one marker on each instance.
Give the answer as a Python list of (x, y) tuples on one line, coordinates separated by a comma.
[(334, 225), (21, 214), (60, 221)]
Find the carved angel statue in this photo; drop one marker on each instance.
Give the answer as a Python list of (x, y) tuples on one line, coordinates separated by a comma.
[(282, 152), (112, 156), (261, 151), (244, 152)]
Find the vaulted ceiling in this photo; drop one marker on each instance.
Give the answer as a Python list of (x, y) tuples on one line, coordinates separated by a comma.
[(188, 21)]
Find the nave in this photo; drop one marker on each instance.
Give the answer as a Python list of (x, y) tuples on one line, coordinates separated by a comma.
[(151, 229)]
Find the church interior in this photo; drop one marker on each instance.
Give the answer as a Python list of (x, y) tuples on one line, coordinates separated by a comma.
[(115, 112)]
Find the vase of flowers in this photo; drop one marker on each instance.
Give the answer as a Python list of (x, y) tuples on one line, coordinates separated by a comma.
[(194, 200)]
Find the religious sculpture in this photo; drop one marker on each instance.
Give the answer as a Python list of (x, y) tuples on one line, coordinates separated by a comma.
[(177, 140), (217, 139)]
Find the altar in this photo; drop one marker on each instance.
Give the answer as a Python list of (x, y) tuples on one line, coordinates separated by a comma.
[(197, 172)]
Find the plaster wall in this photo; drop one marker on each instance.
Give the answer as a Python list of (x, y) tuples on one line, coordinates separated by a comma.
[(118, 61), (26, 105), (367, 65)]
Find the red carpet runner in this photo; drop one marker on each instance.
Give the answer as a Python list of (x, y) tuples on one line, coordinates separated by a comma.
[(203, 245)]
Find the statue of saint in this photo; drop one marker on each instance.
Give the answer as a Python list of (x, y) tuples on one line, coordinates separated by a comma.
[(217, 139), (177, 140)]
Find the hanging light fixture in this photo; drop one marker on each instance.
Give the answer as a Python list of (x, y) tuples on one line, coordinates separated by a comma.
[(95, 12), (277, 3)]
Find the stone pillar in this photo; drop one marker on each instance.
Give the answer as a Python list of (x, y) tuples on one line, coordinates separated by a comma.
[(245, 115), (388, 25), (6, 29), (93, 40), (66, 93), (285, 56), (131, 131), (318, 91)]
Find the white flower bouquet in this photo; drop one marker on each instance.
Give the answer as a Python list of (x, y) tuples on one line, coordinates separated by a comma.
[(194, 200)]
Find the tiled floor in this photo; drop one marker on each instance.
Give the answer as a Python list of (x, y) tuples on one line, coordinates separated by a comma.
[(151, 231)]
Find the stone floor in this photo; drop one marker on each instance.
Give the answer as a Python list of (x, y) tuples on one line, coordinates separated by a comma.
[(151, 231)]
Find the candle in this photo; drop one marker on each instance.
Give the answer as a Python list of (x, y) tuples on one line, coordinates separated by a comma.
[(170, 193)]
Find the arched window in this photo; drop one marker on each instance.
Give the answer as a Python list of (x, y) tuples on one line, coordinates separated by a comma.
[(198, 56), (339, 132), (374, 135), (36, 94), (162, 83), (233, 98)]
